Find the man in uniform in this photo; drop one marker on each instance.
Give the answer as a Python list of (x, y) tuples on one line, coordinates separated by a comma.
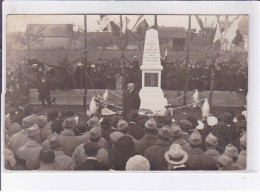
[(44, 90)]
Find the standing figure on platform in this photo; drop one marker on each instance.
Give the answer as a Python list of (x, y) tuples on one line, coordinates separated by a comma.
[(131, 100), (80, 76), (44, 90)]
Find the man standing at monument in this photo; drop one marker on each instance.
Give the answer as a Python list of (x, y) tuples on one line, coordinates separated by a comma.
[(131, 100)]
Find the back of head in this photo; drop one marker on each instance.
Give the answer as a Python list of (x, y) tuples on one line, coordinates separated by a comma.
[(91, 148), (47, 156), (150, 125), (164, 133), (69, 123), (52, 115), (126, 145), (195, 139), (122, 126), (105, 123), (56, 126), (138, 163)]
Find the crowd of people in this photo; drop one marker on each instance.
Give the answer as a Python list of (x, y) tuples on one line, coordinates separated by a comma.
[(108, 75), (67, 140)]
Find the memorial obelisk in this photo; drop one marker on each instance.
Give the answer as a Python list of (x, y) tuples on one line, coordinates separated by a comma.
[(151, 94)]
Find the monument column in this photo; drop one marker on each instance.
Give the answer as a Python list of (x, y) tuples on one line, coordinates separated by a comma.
[(151, 94)]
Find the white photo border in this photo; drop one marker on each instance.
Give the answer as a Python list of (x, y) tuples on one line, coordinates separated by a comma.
[(188, 180)]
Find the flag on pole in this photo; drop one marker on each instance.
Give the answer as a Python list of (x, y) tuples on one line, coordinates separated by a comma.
[(165, 54), (232, 30), (138, 19), (126, 21), (141, 24), (217, 33), (200, 23)]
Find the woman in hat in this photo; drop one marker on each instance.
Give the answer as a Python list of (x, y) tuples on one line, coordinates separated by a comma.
[(176, 158)]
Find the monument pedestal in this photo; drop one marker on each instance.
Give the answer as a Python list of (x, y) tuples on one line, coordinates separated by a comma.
[(151, 94)]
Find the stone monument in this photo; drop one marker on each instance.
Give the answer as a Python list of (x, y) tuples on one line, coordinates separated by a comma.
[(151, 94)]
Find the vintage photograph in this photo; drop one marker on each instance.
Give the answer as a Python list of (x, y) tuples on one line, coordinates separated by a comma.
[(126, 93)]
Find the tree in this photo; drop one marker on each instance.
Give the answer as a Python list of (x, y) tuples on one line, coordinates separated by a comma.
[(31, 37)]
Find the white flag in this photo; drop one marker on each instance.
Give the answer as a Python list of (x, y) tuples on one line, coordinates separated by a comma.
[(232, 30)]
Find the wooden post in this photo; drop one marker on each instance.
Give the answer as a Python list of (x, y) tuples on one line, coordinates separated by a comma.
[(85, 56), (212, 82), (155, 22), (187, 65)]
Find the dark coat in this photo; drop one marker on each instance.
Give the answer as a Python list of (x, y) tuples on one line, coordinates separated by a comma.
[(198, 160), (131, 101), (44, 90), (144, 143), (118, 158), (155, 155), (136, 131), (92, 164)]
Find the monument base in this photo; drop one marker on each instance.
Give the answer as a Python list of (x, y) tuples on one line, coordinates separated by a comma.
[(154, 100)]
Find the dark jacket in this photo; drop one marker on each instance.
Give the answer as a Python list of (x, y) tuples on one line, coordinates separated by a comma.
[(198, 160), (92, 164), (155, 155), (131, 101), (136, 131), (44, 89), (144, 143)]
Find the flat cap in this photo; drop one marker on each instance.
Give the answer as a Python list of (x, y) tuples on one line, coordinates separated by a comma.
[(138, 163), (33, 131)]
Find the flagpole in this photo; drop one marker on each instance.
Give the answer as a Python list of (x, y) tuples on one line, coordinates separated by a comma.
[(122, 63), (155, 22), (85, 56), (187, 65)]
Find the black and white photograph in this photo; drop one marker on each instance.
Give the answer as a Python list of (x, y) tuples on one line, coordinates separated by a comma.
[(126, 92)]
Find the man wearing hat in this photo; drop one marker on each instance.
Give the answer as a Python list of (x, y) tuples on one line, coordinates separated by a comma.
[(131, 100), (149, 139), (242, 154), (79, 156), (19, 139), (29, 153), (176, 158), (224, 162), (211, 143), (95, 135), (13, 128), (232, 152), (48, 162), (91, 162), (123, 127), (155, 153), (186, 127), (46, 131), (177, 137), (106, 129), (92, 122), (137, 163), (135, 130), (67, 138), (198, 160), (120, 154), (65, 162)]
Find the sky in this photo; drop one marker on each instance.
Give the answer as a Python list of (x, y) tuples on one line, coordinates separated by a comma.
[(19, 22)]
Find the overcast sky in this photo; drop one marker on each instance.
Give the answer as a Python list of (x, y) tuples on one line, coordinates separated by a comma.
[(19, 22)]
